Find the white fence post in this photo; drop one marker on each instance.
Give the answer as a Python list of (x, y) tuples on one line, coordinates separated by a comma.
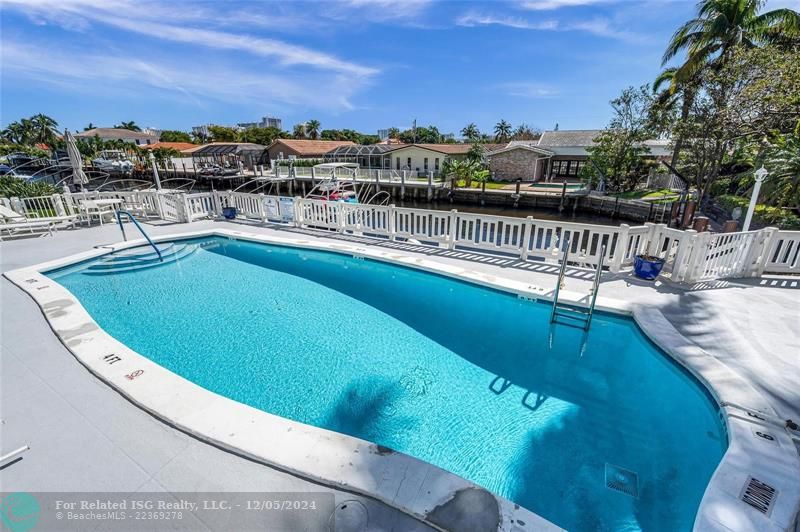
[(760, 254), (621, 250), (58, 205), (453, 229), (17, 205), (683, 257)]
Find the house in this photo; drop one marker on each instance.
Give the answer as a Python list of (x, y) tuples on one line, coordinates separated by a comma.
[(420, 158), (556, 155), (303, 149), (126, 135), (229, 154)]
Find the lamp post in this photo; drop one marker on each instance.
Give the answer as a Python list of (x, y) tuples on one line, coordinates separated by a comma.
[(761, 175), (155, 170)]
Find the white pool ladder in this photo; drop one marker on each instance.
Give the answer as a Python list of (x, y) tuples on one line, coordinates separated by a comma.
[(570, 311)]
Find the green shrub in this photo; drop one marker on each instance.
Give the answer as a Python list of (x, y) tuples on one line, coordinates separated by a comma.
[(11, 186), (764, 215)]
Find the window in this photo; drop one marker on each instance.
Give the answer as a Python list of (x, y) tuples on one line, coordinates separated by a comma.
[(436, 164), (425, 164), (280, 155), (409, 163), (137, 142), (397, 160)]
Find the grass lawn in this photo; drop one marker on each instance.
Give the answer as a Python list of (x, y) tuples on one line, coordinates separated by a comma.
[(489, 184), (646, 194)]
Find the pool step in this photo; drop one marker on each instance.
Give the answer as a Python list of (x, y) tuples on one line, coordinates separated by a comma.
[(131, 260)]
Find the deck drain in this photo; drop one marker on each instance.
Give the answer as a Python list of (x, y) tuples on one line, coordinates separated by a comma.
[(759, 495), (622, 480), (349, 516)]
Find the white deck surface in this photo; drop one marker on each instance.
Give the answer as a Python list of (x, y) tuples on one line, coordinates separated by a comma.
[(84, 436)]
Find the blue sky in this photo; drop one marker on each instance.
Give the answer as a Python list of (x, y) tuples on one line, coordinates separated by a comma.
[(360, 64)]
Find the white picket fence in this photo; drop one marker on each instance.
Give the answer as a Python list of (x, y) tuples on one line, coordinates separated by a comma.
[(689, 257)]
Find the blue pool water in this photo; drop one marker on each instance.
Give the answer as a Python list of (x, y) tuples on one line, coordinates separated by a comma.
[(458, 375)]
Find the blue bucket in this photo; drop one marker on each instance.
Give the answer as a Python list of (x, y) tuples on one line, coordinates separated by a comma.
[(229, 213)]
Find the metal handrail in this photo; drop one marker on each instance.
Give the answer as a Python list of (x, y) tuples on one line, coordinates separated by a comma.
[(596, 285), (560, 279), (139, 227)]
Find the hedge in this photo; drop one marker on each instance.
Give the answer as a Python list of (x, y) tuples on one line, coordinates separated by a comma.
[(764, 214)]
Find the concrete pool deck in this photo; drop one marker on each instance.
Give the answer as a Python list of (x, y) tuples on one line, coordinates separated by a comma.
[(755, 324)]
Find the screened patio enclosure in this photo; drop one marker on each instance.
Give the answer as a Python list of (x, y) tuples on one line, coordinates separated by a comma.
[(372, 156)]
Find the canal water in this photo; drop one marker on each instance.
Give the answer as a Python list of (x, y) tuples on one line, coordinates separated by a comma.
[(518, 212)]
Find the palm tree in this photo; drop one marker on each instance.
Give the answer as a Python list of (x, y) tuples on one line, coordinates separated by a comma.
[(502, 131), (16, 133), (128, 125), (708, 40), (90, 126), (299, 131), (783, 162), (471, 132), (312, 128), (43, 128), (394, 132)]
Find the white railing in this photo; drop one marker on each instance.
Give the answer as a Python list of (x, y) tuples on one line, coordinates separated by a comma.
[(689, 256), (423, 225), (783, 255), (200, 205), (39, 206)]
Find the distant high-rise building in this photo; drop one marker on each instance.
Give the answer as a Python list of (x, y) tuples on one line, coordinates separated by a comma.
[(383, 134), (266, 121)]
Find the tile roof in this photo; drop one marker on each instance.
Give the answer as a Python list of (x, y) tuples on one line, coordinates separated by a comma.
[(115, 133), (450, 149), (569, 138), (180, 146), (312, 147)]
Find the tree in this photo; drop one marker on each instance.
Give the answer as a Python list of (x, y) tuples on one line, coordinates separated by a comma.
[(128, 125), (44, 128), (262, 135), (471, 132), (162, 155), (89, 126), (525, 132), (753, 95), (169, 135), (476, 153), (394, 133), (312, 128), (223, 134), (619, 149), (299, 131), (461, 170), (502, 131), (782, 159), (721, 26)]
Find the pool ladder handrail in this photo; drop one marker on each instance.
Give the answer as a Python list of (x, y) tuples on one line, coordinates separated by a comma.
[(139, 227), (576, 313)]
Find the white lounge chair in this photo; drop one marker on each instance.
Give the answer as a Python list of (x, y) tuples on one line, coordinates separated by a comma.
[(90, 208), (13, 223)]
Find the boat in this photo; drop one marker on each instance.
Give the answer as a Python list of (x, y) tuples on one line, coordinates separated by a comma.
[(113, 161)]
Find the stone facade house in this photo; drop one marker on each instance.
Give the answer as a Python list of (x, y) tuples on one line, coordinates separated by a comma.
[(556, 156)]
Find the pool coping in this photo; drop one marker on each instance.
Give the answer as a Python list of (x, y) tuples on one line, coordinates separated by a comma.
[(406, 483)]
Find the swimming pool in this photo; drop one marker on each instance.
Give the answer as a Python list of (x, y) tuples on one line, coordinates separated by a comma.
[(602, 432)]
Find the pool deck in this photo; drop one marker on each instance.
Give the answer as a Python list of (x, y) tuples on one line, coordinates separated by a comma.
[(52, 403)]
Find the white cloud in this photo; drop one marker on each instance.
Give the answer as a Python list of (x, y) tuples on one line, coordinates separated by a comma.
[(103, 73), (544, 5), (527, 89), (476, 19), (143, 18), (598, 26)]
